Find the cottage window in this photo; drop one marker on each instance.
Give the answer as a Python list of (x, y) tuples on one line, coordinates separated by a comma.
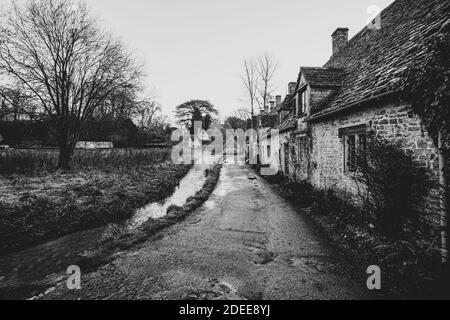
[(302, 151), (355, 147), (302, 103)]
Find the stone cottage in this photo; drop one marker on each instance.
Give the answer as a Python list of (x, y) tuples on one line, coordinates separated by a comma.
[(334, 107)]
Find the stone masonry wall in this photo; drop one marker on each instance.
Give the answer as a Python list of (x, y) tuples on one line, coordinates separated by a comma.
[(391, 121)]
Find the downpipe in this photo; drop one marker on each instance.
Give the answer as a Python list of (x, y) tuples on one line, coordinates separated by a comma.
[(444, 204)]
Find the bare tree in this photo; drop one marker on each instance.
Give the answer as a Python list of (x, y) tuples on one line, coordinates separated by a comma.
[(159, 122), (123, 103), (242, 114), (146, 112), (267, 68), (250, 81), (13, 102), (59, 54)]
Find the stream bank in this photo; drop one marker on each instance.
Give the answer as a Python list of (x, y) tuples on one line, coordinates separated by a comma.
[(42, 208), (29, 273)]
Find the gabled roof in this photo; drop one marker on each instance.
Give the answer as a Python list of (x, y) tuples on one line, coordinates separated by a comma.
[(374, 60), (323, 77)]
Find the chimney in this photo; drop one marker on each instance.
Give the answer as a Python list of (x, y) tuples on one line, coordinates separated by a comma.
[(340, 39), (291, 88), (277, 101), (272, 105)]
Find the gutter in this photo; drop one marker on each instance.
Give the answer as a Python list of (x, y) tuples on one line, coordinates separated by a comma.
[(302, 89), (351, 106)]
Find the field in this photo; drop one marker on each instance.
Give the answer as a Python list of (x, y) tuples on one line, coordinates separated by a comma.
[(40, 203), (36, 162)]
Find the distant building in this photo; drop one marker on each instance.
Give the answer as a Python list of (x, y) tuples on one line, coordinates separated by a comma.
[(91, 145)]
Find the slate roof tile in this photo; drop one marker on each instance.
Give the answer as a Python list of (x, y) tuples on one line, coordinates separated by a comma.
[(322, 77), (374, 60)]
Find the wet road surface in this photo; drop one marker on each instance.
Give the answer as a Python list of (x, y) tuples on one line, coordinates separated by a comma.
[(246, 242)]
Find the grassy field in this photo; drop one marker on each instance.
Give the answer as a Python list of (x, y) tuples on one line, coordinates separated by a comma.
[(36, 162), (39, 203)]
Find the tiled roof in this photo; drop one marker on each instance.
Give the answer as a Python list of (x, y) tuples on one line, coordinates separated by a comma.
[(268, 120), (323, 77), (374, 60), (286, 104), (290, 122)]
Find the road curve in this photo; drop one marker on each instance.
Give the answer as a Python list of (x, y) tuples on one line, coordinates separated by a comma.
[(246, 242)]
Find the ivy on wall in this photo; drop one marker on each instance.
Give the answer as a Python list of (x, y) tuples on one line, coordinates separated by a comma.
[(427, 86)]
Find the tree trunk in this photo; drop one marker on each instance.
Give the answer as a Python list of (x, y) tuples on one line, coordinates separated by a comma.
[(66, 148), (253, 116), (65, 155)]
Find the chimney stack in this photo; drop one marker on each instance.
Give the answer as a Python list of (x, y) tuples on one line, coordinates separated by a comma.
[(291, 88), (272, 105), (340, 39), (277, 101)]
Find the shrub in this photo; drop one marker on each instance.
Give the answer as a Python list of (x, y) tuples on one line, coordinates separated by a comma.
[(300, 193), (396, 185)]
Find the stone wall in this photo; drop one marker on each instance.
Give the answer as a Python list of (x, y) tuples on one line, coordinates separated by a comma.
[(324, 167), (391, 121), (284, 139)]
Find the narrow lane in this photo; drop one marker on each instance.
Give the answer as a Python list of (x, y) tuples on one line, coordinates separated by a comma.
[(246, 242)]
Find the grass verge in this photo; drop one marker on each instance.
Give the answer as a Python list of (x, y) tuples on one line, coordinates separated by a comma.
[(41, 208)]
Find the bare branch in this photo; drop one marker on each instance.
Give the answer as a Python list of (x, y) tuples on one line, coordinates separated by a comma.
[(62, 59)]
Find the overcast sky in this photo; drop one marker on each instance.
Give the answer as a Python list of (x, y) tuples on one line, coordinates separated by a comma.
[(194, 49)]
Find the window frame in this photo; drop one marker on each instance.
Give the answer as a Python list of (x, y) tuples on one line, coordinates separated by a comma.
[(302, 101), (302, 143), (358, 132), (305, 102)]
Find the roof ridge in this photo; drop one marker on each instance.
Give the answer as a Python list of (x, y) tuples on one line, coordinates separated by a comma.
[(374, 61), (360, 32)]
